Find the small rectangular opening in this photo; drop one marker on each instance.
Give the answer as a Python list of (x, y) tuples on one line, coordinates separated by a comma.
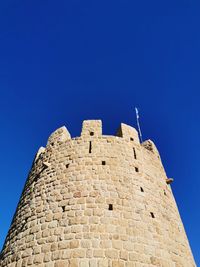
[(152, 215), (90, 147), (91, 133), (135, 156), (136, 169), (67, 165), (141, 189), (63, 208), (110, 207), (131, 138), (103, 162)]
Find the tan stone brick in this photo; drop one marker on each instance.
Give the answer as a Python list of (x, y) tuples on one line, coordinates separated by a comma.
[(111, 253), (49, 264), (84, 263), (103, 263), (38, 259), (46, 233), (56, 255), (26, 253), (85, 243), (118, 264), (78, 253), (89, 253), (128, 246), (63, 245), (155, 261), (98, 253), (54, 246), (117, 244), (124, 255), (93, 263), (61, 263), (47, 257), (66, 254), (73, 263), (74, 244)]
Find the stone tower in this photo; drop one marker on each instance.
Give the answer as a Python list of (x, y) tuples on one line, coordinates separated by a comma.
[(97, 201)]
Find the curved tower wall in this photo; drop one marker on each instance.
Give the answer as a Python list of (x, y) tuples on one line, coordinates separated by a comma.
[(97, 201)]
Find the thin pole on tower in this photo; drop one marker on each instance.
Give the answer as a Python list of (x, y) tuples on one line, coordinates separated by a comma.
[(138, 124)]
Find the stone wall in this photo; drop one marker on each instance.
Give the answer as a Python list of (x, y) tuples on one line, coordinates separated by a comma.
[(97, 201)]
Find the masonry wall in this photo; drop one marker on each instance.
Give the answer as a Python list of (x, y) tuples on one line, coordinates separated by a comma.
[(97, 201)]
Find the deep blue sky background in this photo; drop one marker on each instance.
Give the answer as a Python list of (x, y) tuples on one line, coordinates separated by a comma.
[(65, 61)]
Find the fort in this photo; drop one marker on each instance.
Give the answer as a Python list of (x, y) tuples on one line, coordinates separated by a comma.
[(97, 201)]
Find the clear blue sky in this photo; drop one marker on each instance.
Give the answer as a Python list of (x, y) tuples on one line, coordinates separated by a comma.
[(65, 61)]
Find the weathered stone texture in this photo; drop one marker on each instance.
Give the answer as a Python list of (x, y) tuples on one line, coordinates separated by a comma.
[(97, 201)]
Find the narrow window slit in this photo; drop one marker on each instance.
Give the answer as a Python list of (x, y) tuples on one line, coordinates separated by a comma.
[(67, 165), (110, 207), (90, 147), (63, 208), (135, 156), (136, 169), (141, 189), (103, 162), (91, 133), (152, 215)]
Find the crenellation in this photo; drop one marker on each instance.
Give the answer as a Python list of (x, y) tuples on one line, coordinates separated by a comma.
[(97, 200), (129, 133), (91, 128), (60, 135)]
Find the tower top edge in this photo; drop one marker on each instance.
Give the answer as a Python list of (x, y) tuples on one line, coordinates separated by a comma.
[(150, 145), (93, 128)]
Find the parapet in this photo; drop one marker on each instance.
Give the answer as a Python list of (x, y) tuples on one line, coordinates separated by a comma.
[(93, 128)]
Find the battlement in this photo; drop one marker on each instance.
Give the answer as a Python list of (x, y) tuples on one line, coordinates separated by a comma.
[(91, 133), (92, 129)]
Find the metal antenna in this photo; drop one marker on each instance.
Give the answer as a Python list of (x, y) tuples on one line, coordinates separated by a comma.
[(138, 124)]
